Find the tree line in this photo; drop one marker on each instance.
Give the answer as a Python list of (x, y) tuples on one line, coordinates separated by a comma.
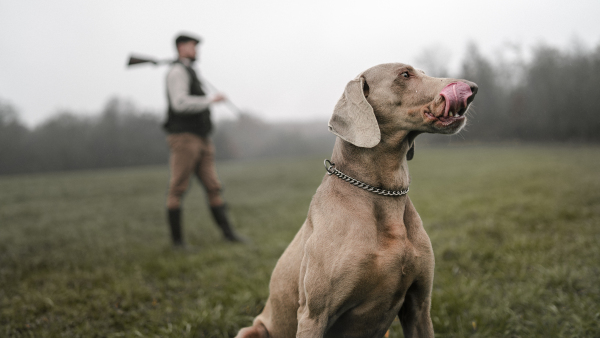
[(119, 136), (554, 96), (122, 135)]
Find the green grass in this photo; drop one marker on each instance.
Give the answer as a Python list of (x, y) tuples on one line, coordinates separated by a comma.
[(515, 231)]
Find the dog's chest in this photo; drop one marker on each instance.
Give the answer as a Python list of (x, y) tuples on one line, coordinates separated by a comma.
[(398, 262), (382, 291)]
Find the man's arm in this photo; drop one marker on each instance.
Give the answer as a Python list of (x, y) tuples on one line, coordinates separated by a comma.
[(178, 87)]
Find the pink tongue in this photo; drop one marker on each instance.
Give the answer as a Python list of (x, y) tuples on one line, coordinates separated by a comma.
[(456, 95)]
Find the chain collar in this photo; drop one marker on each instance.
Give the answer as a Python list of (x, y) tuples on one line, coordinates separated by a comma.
[(333, 171)]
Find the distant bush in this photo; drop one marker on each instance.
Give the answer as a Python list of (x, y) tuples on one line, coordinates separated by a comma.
[(249, 137)]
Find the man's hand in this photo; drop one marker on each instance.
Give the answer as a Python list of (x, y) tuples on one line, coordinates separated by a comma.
[(218, 98)]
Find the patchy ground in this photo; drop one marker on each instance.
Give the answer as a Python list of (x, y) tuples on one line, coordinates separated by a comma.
[(515, 232)]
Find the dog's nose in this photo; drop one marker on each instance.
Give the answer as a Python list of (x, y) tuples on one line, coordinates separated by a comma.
[(474, 89)]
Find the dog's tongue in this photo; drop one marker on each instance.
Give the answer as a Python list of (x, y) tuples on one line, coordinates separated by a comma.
[(456, 95)]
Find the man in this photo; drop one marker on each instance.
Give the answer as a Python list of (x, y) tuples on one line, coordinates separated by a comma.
[(192, 152)]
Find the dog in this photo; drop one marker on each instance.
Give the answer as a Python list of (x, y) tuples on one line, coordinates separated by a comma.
[(362, 257)]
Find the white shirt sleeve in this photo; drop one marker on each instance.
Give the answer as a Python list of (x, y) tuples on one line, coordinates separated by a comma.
[(178, 87)]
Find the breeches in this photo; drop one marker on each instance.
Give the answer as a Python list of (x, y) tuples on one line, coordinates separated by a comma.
[(191, 154)]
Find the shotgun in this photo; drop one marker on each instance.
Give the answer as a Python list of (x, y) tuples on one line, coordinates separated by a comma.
[(136, 60)]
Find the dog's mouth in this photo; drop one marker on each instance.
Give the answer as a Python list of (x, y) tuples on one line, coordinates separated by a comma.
[(456, 102)]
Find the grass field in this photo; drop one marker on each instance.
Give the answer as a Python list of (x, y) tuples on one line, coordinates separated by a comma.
[(515, 230)]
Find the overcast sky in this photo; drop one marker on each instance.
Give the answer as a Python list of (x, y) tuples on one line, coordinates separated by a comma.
[(281, 60)]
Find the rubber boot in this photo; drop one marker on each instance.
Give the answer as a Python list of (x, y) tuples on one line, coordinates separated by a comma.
[(219, 213), (175, 224)]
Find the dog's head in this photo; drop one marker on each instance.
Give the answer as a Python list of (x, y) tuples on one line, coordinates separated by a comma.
[(387, 102)]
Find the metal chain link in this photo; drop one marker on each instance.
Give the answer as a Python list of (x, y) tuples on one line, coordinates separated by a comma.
[(333, 171)]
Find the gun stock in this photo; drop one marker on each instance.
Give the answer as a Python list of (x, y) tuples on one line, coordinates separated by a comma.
[(133, 60)]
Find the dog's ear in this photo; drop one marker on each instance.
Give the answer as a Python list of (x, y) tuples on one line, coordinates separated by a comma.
[(353, 119), (411, 152)]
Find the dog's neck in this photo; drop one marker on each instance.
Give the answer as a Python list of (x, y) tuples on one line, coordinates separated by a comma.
[(383, 166)]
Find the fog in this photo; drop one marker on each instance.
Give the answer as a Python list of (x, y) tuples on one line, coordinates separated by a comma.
[(279, 60), (550, 98)]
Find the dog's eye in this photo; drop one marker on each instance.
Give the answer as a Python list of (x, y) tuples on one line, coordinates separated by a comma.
[(405, 74)]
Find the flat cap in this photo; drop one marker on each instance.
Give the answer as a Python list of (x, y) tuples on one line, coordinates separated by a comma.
[(187, 37)]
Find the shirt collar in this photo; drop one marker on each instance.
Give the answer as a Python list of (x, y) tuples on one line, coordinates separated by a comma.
[(186, 62)]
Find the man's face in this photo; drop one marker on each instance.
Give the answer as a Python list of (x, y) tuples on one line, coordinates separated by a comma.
[(187, 50)]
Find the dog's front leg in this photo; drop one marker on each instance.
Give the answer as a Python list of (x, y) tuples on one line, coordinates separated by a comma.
[(311, 326), (323, 290), (415, 312), (312, 312)]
